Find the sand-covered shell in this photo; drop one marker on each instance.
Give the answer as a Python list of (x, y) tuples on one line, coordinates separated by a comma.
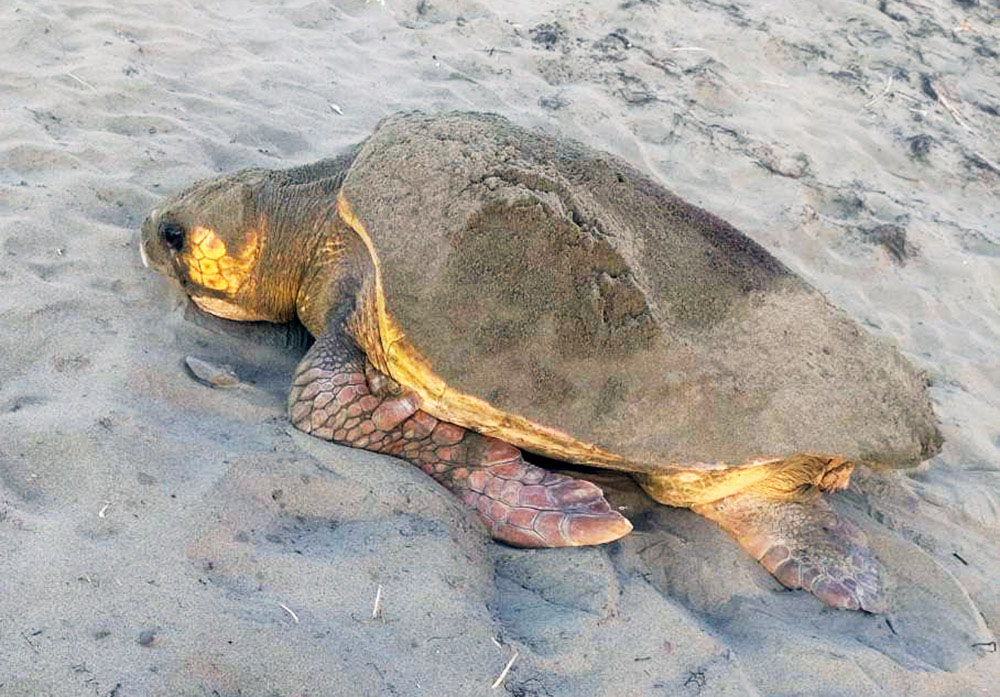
[(562, 284)]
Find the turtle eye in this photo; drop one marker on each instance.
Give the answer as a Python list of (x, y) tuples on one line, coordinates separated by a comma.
[(173, 235)]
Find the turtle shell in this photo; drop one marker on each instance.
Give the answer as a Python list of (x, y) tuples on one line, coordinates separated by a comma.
[(561, 284)]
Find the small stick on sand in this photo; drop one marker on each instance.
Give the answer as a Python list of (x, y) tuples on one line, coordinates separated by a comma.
[(904, 95), (952, 110), (28, 642), (902, 176), (289, 611), (503, 673), (81, 81), (981, 161), (878, 98), (377, 608)]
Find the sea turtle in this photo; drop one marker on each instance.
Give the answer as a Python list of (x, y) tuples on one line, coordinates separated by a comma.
[(477, 289)]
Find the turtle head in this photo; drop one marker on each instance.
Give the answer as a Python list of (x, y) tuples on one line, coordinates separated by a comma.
[(211, 238)]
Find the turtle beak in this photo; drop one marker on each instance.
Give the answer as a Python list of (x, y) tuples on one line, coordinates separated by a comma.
[(145, 234)]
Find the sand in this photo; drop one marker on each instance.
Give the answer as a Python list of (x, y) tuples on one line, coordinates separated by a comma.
[(161, 537)]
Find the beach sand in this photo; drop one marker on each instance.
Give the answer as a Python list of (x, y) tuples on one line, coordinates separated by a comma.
[(160, 537)]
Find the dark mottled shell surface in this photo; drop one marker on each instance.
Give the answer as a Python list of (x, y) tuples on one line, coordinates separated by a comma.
[(563, 284)]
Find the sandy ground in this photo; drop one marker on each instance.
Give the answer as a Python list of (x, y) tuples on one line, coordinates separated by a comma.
[(162, 538)]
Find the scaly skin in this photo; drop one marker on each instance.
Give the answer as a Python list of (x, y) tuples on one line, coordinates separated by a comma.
[(210, 265), (804, 544), (337, 395)]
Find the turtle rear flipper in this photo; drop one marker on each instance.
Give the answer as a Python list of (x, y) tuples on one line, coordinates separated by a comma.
[(804, 544), (780, 517)]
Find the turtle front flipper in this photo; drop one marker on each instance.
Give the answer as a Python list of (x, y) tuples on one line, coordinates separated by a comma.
[(784, 522), (338, 395)]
